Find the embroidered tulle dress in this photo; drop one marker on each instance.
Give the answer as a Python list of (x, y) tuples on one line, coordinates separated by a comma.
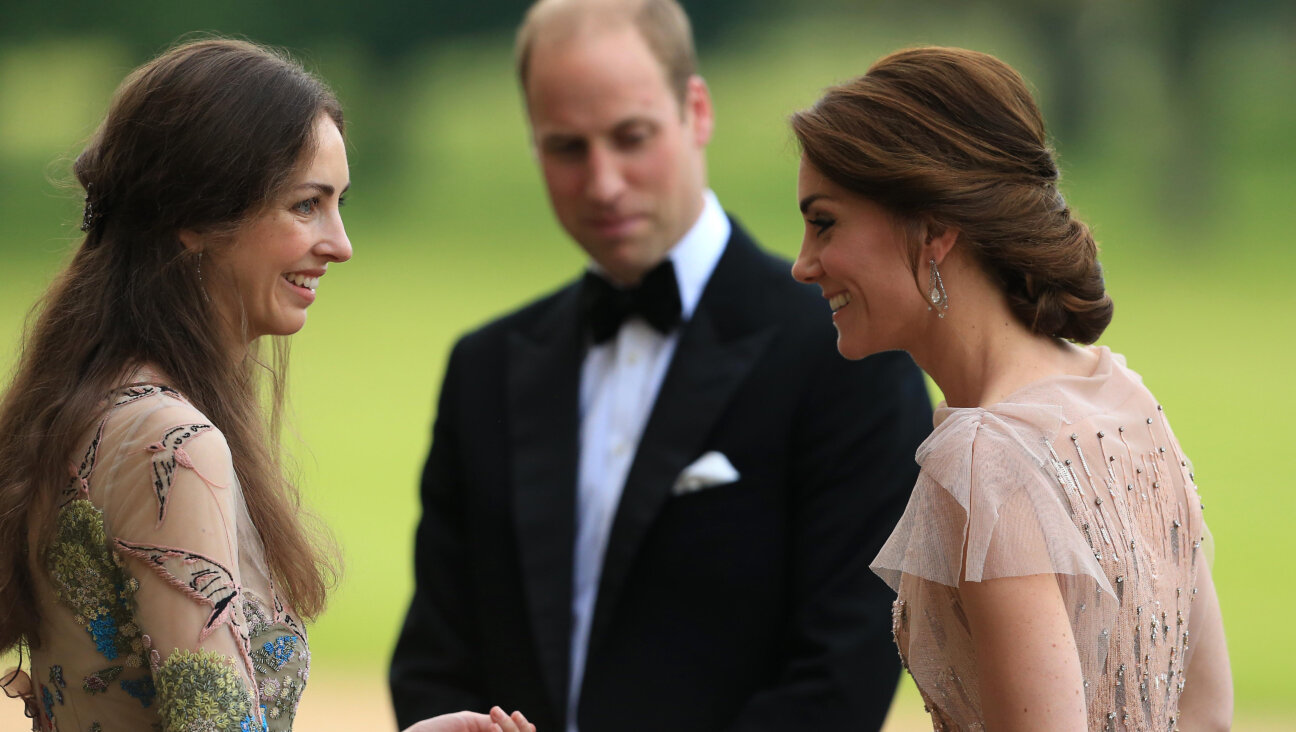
[(1079, 476), (157, 609)]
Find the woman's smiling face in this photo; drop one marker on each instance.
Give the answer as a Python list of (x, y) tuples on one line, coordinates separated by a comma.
[(858, 254), (272, 267)]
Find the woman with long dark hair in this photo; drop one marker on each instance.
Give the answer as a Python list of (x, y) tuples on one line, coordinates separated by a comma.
[(1050, 567), (154, 559)]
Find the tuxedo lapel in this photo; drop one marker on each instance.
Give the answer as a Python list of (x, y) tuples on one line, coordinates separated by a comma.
[(717, 348), (543, 398)]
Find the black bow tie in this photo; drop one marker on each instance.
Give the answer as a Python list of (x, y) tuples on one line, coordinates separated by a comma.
[(656, 300)]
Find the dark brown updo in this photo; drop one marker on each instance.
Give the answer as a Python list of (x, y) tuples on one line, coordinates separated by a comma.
[(952, 138)]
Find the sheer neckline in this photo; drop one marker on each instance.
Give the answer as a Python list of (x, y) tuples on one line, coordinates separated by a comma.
[(1057, 390)]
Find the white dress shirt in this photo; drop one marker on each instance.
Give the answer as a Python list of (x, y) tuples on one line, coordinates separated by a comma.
[(619, 384)]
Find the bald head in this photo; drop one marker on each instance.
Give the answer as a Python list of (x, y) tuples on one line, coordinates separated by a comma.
[(661, 23)]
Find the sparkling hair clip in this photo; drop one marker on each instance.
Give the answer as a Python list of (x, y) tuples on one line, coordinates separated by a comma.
[(91, 215)]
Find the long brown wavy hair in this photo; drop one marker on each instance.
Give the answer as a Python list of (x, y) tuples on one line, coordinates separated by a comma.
[(202, 138), (949, 137)]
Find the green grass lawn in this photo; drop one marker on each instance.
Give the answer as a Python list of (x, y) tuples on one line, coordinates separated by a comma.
[(453, 228)]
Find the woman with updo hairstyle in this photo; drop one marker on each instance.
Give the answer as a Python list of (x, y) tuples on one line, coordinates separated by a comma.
[(154, 558), (1052, 564)]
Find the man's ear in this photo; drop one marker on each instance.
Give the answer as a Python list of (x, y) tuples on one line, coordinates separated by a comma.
[(697, 102)]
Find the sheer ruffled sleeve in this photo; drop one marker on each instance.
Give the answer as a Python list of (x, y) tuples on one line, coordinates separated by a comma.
[(991, 502), (171, 515), (988, 484)]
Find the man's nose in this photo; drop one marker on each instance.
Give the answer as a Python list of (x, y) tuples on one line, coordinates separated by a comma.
[(606, 180)]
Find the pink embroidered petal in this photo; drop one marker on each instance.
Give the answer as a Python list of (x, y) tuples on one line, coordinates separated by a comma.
[(168, 454), (202, 579)]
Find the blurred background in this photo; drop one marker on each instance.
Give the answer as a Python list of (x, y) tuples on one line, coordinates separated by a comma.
[(1175, 124)]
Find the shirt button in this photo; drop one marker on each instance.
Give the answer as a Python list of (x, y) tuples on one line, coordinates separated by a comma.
[(632, 358), (619, 448)]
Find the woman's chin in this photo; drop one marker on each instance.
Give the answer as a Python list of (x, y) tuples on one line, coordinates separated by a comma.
[(852, 349)]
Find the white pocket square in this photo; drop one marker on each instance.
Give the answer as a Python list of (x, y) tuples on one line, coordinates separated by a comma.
[(708, 471)]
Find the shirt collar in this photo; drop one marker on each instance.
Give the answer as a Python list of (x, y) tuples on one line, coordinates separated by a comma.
[(696, 255)]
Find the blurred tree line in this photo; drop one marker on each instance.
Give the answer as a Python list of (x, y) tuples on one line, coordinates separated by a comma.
[(389, 29), (1066, 34), (1075, 42)]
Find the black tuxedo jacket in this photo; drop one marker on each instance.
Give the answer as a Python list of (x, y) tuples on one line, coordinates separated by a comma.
[(747, 606)]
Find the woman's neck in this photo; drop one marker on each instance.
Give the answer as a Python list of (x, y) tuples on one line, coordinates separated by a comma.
[(980, 353)]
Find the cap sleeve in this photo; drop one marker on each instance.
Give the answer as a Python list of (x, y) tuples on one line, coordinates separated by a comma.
[(171, 517), (988, 504)]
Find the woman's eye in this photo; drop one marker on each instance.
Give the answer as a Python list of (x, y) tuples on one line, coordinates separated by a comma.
[(341, 201), (821, 224), (307, 206)]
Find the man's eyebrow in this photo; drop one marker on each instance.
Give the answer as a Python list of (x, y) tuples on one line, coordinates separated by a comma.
[(550, 138), (805, 202), (635, 121)]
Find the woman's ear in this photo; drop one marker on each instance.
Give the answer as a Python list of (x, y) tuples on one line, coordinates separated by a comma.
[(193, 241), (939, 241)]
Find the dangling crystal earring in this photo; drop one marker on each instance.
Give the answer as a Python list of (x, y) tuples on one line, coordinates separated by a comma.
[(201, 288), (936, 295)]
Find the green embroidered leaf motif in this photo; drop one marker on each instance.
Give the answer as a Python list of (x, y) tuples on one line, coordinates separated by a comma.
[(201, 690), (97, 682), (90, 583)]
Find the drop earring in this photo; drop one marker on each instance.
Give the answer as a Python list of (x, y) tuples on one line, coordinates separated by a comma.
[(201, 288), (938, 299)]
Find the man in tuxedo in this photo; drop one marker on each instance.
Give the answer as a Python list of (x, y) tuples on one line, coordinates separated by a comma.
[(653, 495)]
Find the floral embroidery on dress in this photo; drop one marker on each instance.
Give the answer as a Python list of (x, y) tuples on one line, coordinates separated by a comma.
[(200, 690), (87, 578), (272, 655), (279, 697), (91, 573), (97, 682), (57, 682), (48, 700), (141, 689), (250, 725)]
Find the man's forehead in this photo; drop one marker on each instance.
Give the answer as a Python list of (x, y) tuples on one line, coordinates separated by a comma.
[(595, 89), (615, 56)]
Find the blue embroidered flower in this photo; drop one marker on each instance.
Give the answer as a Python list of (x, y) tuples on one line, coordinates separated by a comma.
[(49, 701), (250, 725), (141, 689), (282, 649), (57, 682), (272, 655), (104, 631)]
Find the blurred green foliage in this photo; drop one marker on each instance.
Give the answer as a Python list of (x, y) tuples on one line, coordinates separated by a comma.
[(451, 227)]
